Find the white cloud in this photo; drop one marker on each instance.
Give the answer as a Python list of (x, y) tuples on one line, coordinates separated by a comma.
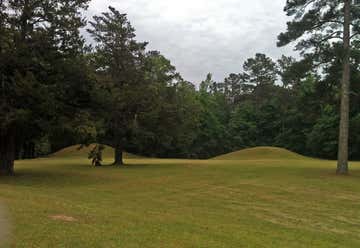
[(201, 36)]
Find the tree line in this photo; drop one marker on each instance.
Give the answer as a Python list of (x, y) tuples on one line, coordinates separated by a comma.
[(57, 89)]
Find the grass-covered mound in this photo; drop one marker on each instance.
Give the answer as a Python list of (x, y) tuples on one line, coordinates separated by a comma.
[(83, 151), (261, 153), (62, 201)]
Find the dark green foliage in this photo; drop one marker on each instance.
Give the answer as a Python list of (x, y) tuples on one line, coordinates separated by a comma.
[(212, 135), (169, 127), (56, 91), (316, 21), (243, 126), (325, 31), (119, 62), (322, 139), (355, 137), (260, 70), (39, 42)]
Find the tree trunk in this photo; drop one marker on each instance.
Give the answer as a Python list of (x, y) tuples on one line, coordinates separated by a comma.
[(119, 155), (7, 152), (343, 153)]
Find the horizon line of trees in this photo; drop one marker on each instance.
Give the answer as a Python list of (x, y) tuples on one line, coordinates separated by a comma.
[(56, 90)]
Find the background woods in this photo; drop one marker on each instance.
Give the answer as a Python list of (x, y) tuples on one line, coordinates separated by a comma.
[(57, 91)]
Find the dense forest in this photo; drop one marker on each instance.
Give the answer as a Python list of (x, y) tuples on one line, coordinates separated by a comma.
[(58, 89)]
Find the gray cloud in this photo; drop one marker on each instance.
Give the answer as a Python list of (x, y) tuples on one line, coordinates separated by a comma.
[(201, 36)]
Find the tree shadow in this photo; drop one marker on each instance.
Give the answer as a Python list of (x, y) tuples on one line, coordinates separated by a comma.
[(69, 175), (5, 227), (128, 166), (48, 178)]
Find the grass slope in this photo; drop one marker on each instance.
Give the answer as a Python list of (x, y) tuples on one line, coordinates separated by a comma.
[(182, 203), (79, 151), (261, 153)]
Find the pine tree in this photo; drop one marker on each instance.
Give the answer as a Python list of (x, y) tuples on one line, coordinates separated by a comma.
[(320, 24), (37, 38), (119, 61)]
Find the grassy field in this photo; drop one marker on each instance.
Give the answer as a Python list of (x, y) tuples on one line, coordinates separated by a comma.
[(261, 197)]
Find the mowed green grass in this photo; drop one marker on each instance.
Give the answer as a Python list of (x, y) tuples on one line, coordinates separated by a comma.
[(269, 199)]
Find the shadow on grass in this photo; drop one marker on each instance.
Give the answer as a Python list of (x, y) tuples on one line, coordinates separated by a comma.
[(47, 178), (44, 174), (5, 228), (129, 166), (65, 176)]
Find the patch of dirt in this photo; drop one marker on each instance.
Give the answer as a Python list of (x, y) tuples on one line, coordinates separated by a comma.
[(63, 218)]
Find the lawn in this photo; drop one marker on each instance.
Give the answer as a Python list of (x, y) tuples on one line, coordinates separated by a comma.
[(261, 197)]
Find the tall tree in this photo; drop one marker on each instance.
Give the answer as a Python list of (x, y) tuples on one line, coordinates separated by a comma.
[(260, 70), (119, 62), (167, 126), (37, 39), (235, 86), (208, 84), (320, 24)]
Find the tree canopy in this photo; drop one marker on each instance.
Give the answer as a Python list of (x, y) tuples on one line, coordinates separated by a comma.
[(58, 89)]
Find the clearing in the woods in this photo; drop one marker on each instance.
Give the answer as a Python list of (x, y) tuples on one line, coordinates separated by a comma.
[(261, 197)]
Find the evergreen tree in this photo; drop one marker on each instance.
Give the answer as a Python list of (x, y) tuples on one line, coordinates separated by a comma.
[(319, 24), (260, 70), (37, 39), (119, 63)]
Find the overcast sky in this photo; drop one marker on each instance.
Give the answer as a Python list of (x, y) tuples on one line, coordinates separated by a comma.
[(201, 36)]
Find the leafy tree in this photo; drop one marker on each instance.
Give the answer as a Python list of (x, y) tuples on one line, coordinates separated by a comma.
[(289, 77), (119, 62), (320, 24), (168, 125), (302, 110), (322, 140), (212, 137), (37, 39), (260, 70), (208, 84), (236, 86), (243, 126)]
